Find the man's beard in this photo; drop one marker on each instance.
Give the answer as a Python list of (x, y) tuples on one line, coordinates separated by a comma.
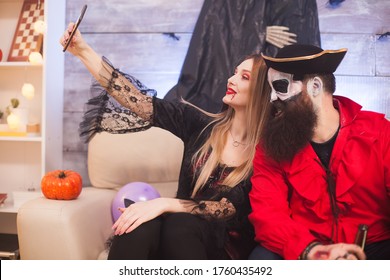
[(289, 127)]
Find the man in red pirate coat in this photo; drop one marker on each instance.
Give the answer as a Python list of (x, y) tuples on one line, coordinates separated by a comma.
[(321, 182)]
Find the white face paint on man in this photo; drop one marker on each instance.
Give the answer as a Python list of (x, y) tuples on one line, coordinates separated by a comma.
[(283, 86), (292, 119)]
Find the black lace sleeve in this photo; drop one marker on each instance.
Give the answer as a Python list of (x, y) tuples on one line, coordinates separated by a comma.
[(121, 104), (216, 199), (222, 209), (239, 197), (211, 210)]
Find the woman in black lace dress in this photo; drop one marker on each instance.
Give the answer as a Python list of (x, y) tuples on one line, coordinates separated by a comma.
[(208, 217)]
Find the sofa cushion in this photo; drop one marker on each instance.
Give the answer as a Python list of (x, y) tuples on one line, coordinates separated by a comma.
[(152, 156)]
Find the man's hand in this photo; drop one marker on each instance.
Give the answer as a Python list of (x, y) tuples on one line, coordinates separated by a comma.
[(279, 36), (339, 251)]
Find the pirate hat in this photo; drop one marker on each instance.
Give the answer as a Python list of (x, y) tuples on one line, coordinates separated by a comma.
[(305, 59)]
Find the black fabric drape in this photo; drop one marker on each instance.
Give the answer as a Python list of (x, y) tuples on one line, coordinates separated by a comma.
[(227, 31)]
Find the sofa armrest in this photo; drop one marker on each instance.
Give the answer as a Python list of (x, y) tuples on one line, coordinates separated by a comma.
[(73, 229)]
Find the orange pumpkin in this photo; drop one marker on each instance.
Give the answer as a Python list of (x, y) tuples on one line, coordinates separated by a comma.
[(61, 185)]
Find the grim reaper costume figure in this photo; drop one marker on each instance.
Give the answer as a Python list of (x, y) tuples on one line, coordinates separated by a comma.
[(228, 30)]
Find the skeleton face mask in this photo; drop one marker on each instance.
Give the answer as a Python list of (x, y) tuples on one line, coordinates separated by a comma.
[(283, 86)]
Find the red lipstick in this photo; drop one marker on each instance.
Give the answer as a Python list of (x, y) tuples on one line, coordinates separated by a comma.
[(230, 91)]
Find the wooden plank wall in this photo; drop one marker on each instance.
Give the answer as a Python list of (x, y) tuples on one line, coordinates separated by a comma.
[(131, 35)]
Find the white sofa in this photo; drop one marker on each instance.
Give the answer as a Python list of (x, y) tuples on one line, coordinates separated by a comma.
[(79, 229)]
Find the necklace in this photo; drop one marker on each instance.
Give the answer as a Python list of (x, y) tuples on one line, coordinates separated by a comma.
[(235, 142)]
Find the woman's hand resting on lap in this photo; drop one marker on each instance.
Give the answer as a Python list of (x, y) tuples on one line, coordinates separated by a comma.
[(139, 213)]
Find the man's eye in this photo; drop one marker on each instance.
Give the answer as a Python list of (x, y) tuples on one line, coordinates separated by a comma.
[(280, 85)]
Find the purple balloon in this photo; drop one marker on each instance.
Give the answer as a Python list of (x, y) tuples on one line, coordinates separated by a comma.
[(135, 191)]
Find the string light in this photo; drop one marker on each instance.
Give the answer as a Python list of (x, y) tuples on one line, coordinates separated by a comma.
[(40, 27), (28, 91), (13, 121), (35, 58)]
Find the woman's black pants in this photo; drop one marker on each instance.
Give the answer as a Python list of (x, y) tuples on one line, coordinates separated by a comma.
[(176, 236)]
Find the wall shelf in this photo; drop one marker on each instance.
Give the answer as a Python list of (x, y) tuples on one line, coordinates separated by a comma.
[(8, 207), (21, 139), (17, 64), (26, 159)]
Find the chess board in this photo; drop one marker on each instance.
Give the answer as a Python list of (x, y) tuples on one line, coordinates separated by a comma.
[(25, 39)]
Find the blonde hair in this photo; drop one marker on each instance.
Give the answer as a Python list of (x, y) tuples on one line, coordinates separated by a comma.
[(256, 110)]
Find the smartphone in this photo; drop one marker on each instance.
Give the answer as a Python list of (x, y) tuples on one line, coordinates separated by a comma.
[(75, 27)]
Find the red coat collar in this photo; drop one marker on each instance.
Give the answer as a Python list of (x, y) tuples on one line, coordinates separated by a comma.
[(348, 109)]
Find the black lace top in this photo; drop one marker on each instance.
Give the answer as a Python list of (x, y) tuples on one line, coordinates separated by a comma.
[(123, 104)]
